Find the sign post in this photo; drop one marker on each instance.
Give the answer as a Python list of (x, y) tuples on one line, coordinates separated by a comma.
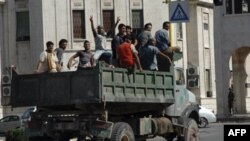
[(178, 12)]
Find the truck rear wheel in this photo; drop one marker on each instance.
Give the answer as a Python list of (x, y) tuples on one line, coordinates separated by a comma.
[(62, 138), (34, 139), (122, 132), (191, 131), (39, 139)]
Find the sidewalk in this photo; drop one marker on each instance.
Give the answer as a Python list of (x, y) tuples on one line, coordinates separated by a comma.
[(235, 118)]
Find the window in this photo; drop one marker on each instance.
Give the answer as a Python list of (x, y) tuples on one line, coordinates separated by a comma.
[(229, 7), (206, 30), (179, 31), (79, 30), (205, 26), (179, 77), (245, 6), (137, 21), (208, 81), (5, 119), (108, 19), (237, 6), (22, 26), (218, 2), (14, 118)]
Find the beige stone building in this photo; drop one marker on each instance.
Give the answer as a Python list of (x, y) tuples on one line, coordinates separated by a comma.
[(26, 26)]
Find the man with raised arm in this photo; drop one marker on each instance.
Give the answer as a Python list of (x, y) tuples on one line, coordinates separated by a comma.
[(100, 37)]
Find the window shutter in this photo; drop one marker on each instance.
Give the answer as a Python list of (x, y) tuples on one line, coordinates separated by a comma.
[(78, 24), (108, 19)]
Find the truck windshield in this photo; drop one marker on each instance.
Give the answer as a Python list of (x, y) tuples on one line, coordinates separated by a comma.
[(179, 77)]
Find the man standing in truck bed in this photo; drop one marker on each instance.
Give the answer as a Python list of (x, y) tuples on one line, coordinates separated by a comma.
[(85, 57), (163, 44), (126, 54), (148, 56), (100, 36), (48, 61), (63, 43)]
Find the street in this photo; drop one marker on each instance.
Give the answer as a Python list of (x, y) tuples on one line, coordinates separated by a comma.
[(214, 132)]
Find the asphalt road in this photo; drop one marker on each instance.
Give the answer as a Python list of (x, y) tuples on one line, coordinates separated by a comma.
[(214, 132)]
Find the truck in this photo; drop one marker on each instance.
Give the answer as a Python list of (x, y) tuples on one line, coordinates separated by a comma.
[(107, 104)]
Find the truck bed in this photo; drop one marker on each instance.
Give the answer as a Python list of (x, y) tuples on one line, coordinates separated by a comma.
[(95, 86)]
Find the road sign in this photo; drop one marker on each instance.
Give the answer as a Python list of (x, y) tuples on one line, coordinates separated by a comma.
[(178, 11)]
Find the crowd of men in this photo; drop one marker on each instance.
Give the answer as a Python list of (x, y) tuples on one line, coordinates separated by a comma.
[(142, 51)]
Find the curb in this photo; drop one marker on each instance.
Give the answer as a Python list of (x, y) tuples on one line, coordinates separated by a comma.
[(234, 119)]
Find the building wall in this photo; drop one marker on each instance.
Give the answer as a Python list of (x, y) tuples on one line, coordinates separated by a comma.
[(1, 57), (232, 32)]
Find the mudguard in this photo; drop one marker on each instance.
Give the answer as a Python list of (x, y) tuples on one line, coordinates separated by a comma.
[(192, 111)]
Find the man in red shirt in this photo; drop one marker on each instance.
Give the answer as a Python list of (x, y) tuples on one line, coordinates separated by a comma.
[(127, 55)]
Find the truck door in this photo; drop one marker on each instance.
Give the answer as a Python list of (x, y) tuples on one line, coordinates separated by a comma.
[(181, 96)]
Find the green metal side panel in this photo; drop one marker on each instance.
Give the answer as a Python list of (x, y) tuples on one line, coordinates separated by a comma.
[(139, 87), (93, 86)]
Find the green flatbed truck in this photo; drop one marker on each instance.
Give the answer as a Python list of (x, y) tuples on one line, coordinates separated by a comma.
[(104, 103)]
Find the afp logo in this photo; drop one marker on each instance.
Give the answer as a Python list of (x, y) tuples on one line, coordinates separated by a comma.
[(236, 131)]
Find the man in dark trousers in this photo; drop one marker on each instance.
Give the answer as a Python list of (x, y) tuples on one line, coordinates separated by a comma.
[(230, 101)]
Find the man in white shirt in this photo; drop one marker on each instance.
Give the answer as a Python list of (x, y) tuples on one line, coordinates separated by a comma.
[(100, 36), (48, 61)]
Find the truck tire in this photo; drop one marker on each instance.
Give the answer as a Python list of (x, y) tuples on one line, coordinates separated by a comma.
[(99, 139), (34, 139), (62, 138), (191, 132), (122, 132), (38, 139)]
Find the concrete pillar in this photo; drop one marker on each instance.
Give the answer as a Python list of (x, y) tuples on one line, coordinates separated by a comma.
[(1, 56), (221, 66), (222, 82), (239, 80)]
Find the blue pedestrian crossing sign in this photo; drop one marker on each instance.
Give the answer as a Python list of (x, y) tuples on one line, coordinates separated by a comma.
[(178, 12)]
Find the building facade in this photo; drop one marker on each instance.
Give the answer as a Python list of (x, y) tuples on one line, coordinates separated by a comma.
[(26, 26), (232, 47)]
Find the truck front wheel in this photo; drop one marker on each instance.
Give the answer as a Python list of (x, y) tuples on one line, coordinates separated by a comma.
[(191, 131), (122, 132)]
